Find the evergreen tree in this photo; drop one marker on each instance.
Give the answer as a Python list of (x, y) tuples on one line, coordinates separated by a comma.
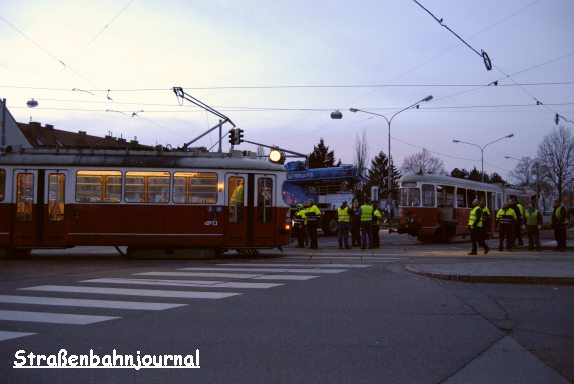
[(475, 175), (377, 176), (495, 178), (459, 173), (321, 157)]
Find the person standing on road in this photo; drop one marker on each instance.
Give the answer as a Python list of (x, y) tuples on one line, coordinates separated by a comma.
[(355, 224), (475, 227), (312, 213), (533, 221), (505, 219), (486, 220), (559, 224), (519, 211), (366, 215), (343, 220), (376, 225), (299, 226)]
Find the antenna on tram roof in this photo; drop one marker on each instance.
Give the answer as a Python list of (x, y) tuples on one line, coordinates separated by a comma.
[(182, 95)]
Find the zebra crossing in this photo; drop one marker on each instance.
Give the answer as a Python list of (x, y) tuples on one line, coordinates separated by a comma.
[(184, 285)]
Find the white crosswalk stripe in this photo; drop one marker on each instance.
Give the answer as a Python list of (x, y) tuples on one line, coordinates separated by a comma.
[(132, 292), (86, 303), (227, 275), (269, 270), (54, 318), (8, 335), (294, 265), (185, 283)]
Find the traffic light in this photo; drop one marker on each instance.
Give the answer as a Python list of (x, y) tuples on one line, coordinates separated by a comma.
[(232, 136), (239, 135)]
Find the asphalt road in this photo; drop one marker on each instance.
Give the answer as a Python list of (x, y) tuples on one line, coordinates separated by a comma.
[(285, 318)]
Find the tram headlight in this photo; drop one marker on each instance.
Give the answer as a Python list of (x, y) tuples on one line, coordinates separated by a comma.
[(219, 187), (276, 156)]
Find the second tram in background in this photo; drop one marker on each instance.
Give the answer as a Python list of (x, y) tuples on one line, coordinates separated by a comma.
[(435, 208)]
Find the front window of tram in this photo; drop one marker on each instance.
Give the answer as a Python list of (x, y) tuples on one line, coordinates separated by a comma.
[(410, 197)]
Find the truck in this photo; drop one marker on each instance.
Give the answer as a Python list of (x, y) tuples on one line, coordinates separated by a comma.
[(326, 187)]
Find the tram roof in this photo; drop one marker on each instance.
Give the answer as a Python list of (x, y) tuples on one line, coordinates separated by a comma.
[(140, 159), (454, 181)]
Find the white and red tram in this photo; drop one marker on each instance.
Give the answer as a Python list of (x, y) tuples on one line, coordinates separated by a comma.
[(436, 207), (52, 198)]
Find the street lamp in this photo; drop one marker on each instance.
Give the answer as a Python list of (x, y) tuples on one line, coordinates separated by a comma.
[(482, 151), (389, 178)]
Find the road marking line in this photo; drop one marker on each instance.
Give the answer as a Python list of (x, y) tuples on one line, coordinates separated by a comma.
[(132, 292), (228, 275), (185, 283), (6, 335), (199, 274), (270, 270), (87, 303), (249, 264), (53, 318)]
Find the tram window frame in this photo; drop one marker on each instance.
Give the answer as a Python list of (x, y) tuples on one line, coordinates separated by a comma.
[(2, 184), (471, 194), (104, 182), (265, 200), (24, 196), (197, 188), (445, 196), (236, 208), (461, 197), (428, 195), (147, 187), (56, 196), (407, 199)]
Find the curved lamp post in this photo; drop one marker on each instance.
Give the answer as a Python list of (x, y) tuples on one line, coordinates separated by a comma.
[(482, 151), (389, 121)]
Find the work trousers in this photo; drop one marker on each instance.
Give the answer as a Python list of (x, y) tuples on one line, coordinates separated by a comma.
[(533, 236), (560, 236), (476, 238), (356, 233), (506, 231), (312, 228), (300, 234), (343, 233), (366, 235), (375, 234)]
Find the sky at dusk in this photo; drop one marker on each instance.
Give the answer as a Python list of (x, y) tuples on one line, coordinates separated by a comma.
[(279, 68)]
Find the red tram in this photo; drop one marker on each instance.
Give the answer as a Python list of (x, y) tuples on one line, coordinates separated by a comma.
[(436, 207), (170, 200)]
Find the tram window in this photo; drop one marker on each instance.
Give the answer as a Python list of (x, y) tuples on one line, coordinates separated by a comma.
[(98, 186), (195, 187), (410, 197), (481, 196), (264, 199), (428, 195), (56, 187), (24, 196), (471, 195), (2, 183), (445, 196), (235, 186), (461, 197), (147, 187)]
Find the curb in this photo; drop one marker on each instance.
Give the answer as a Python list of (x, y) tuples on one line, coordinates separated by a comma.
[(504, 279)]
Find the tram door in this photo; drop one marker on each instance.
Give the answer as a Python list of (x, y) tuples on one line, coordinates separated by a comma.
[(24, 226), (264, 221), (237, 192), (39, 208)]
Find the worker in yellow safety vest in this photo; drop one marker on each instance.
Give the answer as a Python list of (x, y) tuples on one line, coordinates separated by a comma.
[(376, 225), (312, 213), (299, 226), (559, 224), (533, 222), (475, 228), (366, 215), (506, 220), (343, 223)]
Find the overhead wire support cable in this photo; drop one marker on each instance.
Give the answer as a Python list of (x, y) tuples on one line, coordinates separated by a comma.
[(482, 54)]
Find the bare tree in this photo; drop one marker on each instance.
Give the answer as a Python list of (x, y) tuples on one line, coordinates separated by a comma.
[(423, 161), (556, 158), (361, 151), (525, 172)]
